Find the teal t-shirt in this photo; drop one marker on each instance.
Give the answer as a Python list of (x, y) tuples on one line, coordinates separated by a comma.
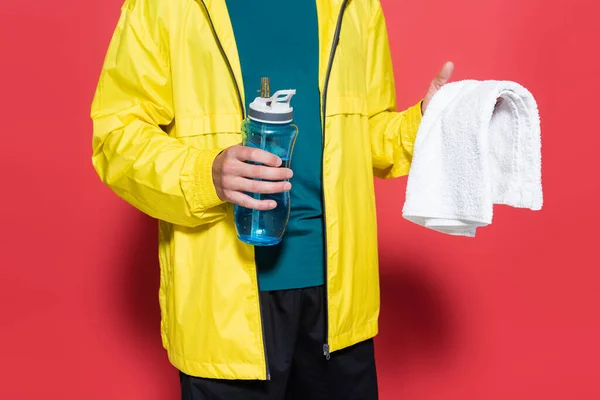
[(279, 39)]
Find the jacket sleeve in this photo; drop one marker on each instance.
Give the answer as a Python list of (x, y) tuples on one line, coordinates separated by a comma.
[(132, 154), (392, 133)]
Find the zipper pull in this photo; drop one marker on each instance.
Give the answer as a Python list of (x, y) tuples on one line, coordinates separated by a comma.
[(326, 351)]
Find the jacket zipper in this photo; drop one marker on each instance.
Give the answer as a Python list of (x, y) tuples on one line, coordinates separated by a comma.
[(336, 40), (243, 110), (334, 45)]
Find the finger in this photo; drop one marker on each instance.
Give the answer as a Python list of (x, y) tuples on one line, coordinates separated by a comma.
[(262, 172), (444, 75), (262, 187), (257, 155), (246, 201)]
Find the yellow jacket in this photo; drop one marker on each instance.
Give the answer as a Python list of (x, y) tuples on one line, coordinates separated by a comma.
[(167, 103)]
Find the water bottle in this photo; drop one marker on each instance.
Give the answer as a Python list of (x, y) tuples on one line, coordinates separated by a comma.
[(268, 127)]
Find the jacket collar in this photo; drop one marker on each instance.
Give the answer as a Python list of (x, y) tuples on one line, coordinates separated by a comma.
[(327, 12)]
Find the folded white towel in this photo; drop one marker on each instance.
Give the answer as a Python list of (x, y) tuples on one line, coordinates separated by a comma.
[(472, 152)]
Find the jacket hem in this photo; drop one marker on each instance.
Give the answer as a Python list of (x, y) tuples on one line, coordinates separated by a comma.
[(347, 339), (247, 371), (227, 371)]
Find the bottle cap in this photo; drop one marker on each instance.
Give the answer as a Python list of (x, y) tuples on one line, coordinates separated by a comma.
[(273, 110)]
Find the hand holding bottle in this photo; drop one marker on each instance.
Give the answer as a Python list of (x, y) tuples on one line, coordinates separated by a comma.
[(234, 172)]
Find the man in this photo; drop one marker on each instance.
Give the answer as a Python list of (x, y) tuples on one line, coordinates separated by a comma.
[(290, 321)]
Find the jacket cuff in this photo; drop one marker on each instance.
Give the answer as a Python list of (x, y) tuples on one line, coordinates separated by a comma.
[(409, 127), (197, 182)]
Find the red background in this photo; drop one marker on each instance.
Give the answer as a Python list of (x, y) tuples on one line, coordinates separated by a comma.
[(511, 314)]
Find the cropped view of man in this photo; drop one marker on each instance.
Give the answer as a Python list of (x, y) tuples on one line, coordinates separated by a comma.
[(291, 321)]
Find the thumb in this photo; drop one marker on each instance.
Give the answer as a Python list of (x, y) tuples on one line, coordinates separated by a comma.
[(444, 75)]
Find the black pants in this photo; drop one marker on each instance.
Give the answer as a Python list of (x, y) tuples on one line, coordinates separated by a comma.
[(294, 323)]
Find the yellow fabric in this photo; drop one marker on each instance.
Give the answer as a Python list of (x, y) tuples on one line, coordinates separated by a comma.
[(165, 106)]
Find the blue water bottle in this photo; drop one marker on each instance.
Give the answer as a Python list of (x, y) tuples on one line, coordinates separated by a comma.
[(268, 127)]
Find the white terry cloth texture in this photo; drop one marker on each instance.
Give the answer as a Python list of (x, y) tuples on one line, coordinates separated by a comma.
[(478, 144)]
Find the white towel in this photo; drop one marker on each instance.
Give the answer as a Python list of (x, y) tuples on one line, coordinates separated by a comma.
[(471, 153)]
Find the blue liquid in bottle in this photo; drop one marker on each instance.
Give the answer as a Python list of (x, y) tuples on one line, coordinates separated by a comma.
[(268, 127)]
